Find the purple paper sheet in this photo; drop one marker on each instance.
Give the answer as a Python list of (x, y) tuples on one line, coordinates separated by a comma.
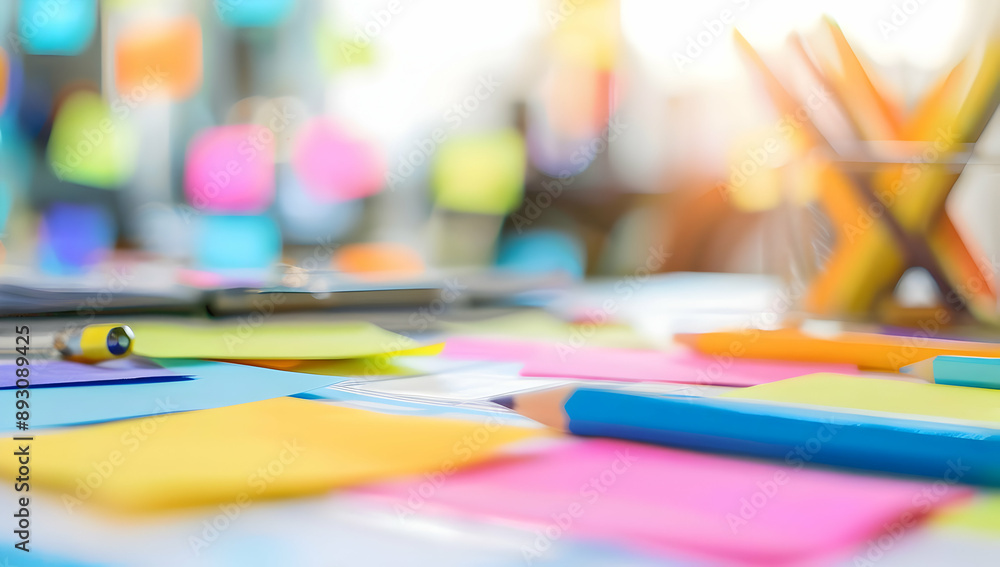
[(50, 373)]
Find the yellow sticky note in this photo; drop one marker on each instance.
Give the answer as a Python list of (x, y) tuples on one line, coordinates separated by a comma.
[(375, 365), (537, 324), (240, 454), (874, 394), (268, 340), (481, 173), (981, 514), (381, 365)]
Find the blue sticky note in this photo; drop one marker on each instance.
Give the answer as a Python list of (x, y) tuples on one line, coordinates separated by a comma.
[(235, 242), (56, 27), (253, 13), (542, 251), (215, 384)]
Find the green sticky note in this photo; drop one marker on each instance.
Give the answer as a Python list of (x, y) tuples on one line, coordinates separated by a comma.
[(89, 145), (480, 174), (265, 341), (881, 395), (540, 326), (981, 514)]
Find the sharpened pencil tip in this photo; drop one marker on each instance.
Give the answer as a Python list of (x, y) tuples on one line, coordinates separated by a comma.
[(505, 401)]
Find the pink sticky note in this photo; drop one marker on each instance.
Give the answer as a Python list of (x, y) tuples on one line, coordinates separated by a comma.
[(493, 350), (230, 169), (681, 366), (334, 165), (714, 508)]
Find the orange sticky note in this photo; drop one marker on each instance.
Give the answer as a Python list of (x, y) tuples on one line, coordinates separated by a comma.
[(163, 56), (377, 259)]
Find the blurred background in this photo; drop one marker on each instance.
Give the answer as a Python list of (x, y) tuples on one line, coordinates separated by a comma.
[(258, 142)]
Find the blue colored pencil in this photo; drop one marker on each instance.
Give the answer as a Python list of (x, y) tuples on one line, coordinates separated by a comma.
[(795, 435), (972, 371)]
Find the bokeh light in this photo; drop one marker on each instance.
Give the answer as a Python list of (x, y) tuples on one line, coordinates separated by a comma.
[(586, 32), (73, 237), (91, 145), (47, 27), (333, 164), (253, 13), (162, 56), (237, 242), (307, 220), (542, 252), (555, 192), (6, 201), (338, 52), (230, 169), (481, 173), (4, 79), (379, 261), (6, 12), (13, 78)]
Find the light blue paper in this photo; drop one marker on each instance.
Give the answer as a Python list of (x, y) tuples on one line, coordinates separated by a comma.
[(217, 384)]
